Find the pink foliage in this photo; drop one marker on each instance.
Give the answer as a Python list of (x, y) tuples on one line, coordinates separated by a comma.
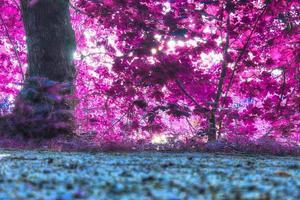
[(142, 65)]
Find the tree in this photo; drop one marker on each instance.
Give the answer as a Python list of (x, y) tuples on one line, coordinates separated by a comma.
[(41, 108), (50, 39), (225, 69)]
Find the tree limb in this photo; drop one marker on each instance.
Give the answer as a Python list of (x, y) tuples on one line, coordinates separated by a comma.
[(239, 58), (180, 85), (14, 47)]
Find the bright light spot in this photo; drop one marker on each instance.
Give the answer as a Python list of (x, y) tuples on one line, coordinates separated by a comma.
[(211, 58), (164, 89), (251, 55), (158, 37), (230, 65), (277, 72), (159, 139), (219, 41), (167, 7), (89, 33), (171, 44), (93, 73), (102, 50), (4, 156), (198, 39), (209, 29), (153, 51), (151, 60), (180, 43), (192, 43), (111, 40), (119, 54)]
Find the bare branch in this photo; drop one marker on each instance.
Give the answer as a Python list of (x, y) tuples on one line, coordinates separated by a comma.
[(239, 58), (79, 11), (14, 46), (189, 96), (212, 120)]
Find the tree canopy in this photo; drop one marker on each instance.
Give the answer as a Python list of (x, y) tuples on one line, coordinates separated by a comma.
[(150, 71)]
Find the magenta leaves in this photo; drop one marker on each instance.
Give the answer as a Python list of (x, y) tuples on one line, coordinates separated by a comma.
[(152, 68)]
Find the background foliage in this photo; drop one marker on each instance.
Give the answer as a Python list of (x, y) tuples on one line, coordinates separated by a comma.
[(153, 72)]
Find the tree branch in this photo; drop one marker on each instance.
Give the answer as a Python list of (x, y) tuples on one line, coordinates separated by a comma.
[(282, 89), (212, 129), (18, 6), (79, 11), (239, 58), (14, 47), (189, 96)]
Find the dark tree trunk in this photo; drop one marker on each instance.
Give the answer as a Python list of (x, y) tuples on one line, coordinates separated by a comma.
[(50, 40), (43, 108), (212, 133)]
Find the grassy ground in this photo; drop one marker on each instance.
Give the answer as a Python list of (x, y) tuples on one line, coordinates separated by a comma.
[(142, 176)]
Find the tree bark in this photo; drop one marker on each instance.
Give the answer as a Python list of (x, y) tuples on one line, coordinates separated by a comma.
[(212, 134), (50, 40), (43, 108)]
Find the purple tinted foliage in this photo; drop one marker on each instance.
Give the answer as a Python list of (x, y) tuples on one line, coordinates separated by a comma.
[(152, 72)]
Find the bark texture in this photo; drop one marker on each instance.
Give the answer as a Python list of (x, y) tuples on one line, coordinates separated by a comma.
[(43, 108), (50, 39), (212, 136)]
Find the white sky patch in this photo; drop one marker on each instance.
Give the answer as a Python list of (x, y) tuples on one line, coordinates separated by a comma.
[(276, 72), (171, 44), (151, 60), (192, 43), (93, 73), (119, 54), (251, 55), (157, 37), (210, 29), (211, 58), (167, 7), (159, 139), (219, 41), (180, 43), (153, 51)]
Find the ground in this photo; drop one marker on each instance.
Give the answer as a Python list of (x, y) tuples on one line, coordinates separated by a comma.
[(143, 176)]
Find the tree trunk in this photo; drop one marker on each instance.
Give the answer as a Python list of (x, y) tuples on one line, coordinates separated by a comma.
[(212, 133), (43, 109), (50, 40)]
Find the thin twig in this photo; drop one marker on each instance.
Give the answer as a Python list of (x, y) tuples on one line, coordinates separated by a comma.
[(13, 45), (243, 51), (18, 6), (189, 96), (282, 89), (212, 119), (79, 11), (192, 128), (239, 59)]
